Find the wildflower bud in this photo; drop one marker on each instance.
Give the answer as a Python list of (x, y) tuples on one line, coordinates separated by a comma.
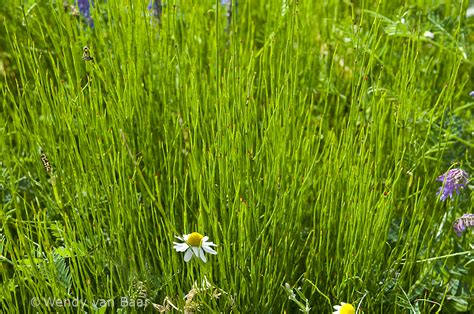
[(460, 224)]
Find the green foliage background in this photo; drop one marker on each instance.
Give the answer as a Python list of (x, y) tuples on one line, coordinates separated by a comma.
[(304, 139)]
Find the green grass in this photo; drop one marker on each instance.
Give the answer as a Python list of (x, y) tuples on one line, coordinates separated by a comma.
[(304, 140)]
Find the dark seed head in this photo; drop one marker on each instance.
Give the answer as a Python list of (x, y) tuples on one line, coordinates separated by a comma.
[(46, 164)]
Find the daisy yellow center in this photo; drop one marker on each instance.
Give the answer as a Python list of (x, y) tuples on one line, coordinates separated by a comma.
[(195, 239), (347, 309)]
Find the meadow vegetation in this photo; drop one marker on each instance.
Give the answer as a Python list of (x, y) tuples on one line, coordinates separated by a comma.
[(304, 138)]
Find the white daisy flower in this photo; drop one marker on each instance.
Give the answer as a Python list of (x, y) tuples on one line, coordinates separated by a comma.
[(194, 244), (344, 308)]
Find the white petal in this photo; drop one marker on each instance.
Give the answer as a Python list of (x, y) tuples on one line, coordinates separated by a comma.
[(180, 238), (180, 247), (195, 250), (205, 239), (188, 255), (209, 243), (202, 256), (208, 249)]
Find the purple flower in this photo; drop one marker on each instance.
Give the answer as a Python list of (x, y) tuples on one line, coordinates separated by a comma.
[(460, 224), (471, 94), (157, 8), (453, 180), (85, 9)]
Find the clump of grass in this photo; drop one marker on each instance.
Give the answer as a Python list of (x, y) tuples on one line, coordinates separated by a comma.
[(304, 139)]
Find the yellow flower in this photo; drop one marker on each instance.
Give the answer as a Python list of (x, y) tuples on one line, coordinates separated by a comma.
[(344, 308)]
